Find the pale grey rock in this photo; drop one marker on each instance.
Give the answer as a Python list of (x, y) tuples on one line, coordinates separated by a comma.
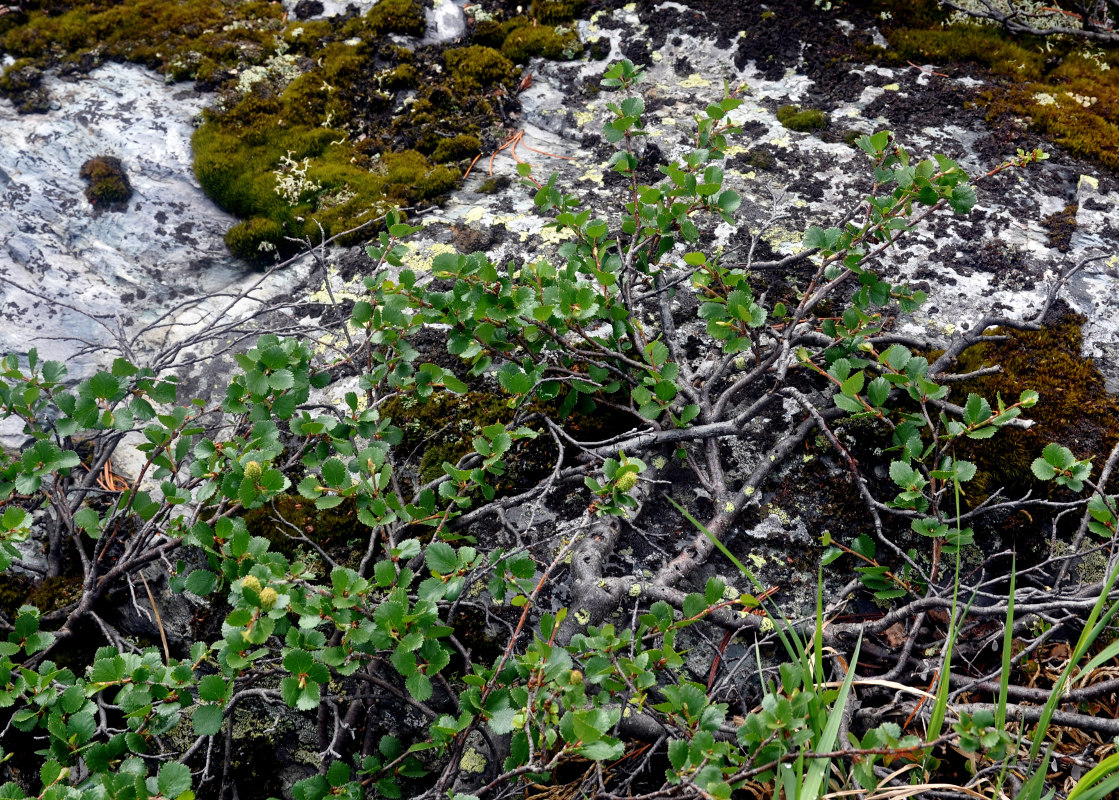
[(1094, 288), (32, 560), (72, 276), (824, 179), (445, 21)]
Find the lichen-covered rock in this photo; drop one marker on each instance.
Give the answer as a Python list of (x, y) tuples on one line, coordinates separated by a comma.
[(22, 82), (133, 266)]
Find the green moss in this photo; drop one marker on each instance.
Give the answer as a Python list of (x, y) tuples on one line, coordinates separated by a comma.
[(396, 16), (402, 77), (49, 595), (21, 83), (410, 176), (55, 593), (256, 240), (494, 185), (1061, 226), (793, 118), (760, 158), (14, 592), (1074, 410), (457, 147), (476, 67), (332, 529), (20, 76), (443, 428), (1082, 116), (553, 12), (242, 163), (304, 36), (306, 103), (313, 97), (522, 37), (493, 32), (978, 44), (152, 32), (540, 40), (108, 185)]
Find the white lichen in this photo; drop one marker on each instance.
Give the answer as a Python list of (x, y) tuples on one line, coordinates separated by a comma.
[(280, 69), (292, 183)]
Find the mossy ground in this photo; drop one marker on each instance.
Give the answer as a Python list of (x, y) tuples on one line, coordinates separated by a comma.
[(1066, 89), (552, 12), (167, 36), (802, 120), (443, 429), (325, 122), (538, 40), (1074, 410), (336, 530)]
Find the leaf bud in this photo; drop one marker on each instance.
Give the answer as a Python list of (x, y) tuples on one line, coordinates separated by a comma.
[(268, 598), (626, 481), (251, 582)]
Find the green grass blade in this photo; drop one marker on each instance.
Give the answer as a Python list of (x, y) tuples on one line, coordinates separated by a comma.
[(1007, 644), (818, 635), (940, 707), (1097, 782), (791, 642), (1105, 791), (818, 769), (1035, 785), (1091, 631), (936, 721), (1105, 655)]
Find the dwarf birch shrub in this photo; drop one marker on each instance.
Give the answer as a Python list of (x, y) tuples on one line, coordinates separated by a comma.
[(591, 327)]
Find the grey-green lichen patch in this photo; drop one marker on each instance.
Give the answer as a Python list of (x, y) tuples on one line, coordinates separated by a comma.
[(472, 761), (1088, 568)]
